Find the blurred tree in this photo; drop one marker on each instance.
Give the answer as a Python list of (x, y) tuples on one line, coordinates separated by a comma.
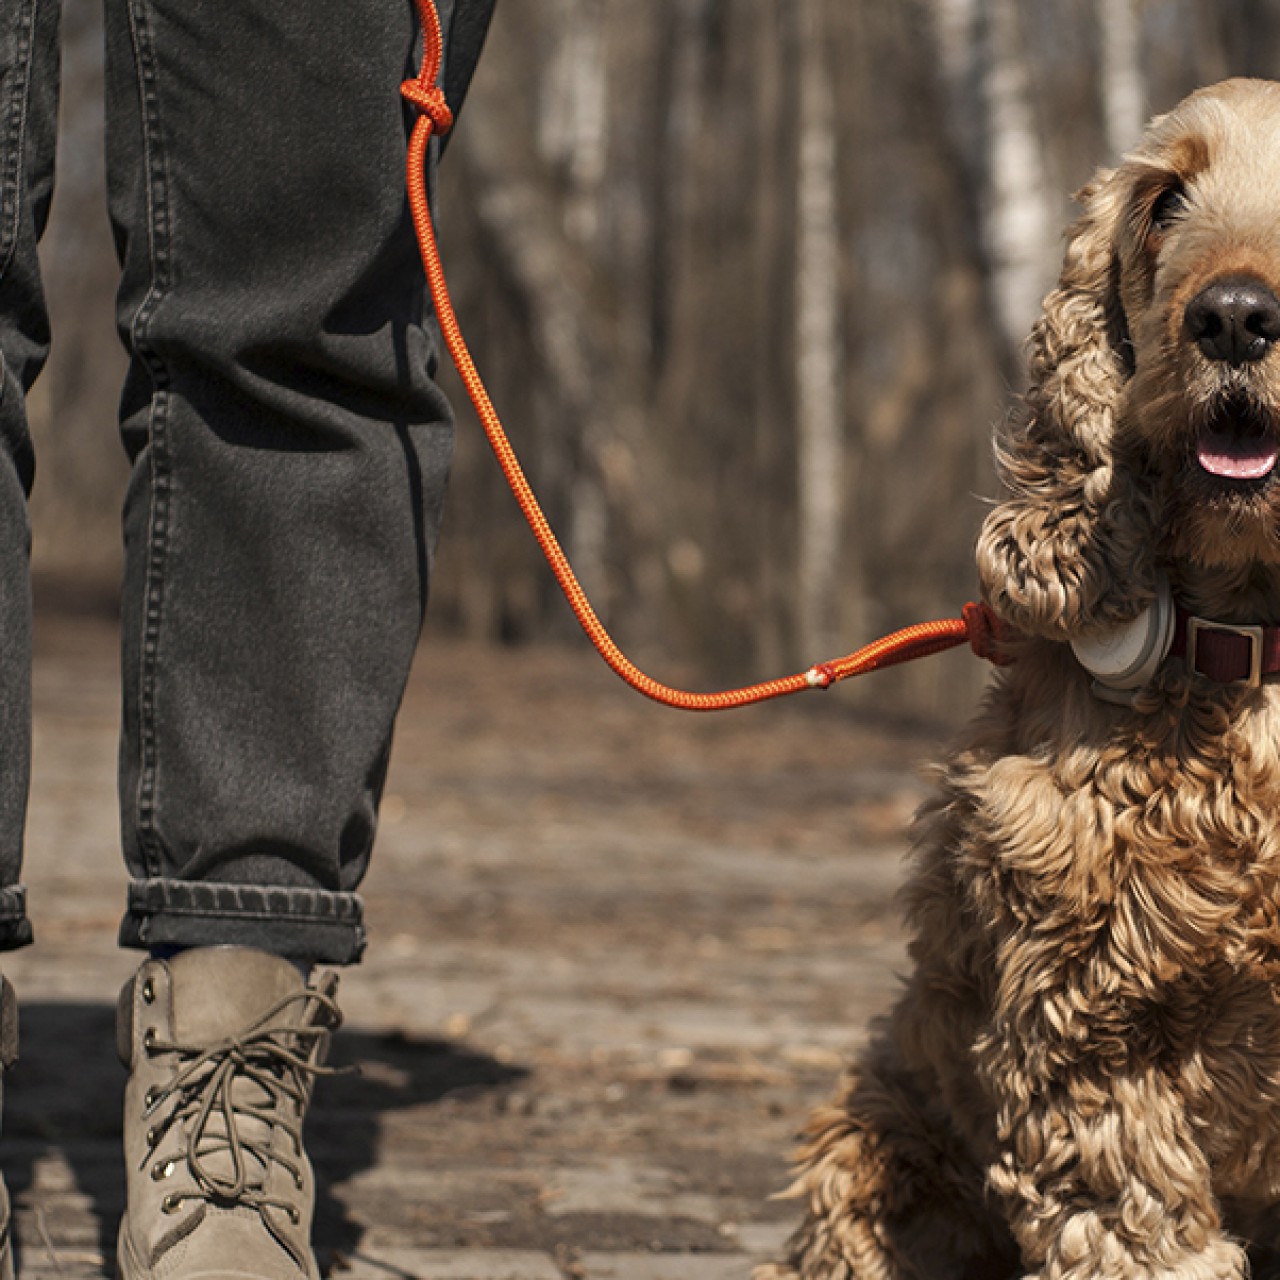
[(821, 480), (1123, 88), (749, 279)]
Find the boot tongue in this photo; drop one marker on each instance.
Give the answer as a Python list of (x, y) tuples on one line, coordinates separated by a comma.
[(219, 992)]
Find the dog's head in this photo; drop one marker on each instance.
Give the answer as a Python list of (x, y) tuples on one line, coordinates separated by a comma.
[(1151, 428)]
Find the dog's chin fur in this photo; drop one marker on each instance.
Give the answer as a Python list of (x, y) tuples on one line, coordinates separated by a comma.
[(1081, 1079), (1222, 527)]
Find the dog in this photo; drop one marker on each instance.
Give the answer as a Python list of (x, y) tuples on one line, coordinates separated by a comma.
[(1081, 1078)]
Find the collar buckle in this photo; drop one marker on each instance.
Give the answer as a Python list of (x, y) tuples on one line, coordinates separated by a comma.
[(1253, 634)]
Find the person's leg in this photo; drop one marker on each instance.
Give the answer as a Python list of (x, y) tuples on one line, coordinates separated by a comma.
[(289, 452), (28, 123)]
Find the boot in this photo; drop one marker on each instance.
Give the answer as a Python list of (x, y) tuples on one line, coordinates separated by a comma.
[(8, 1056), (222, 1045)]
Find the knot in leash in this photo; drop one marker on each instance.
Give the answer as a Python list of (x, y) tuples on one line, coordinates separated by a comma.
[(422, 90), (429, 99)]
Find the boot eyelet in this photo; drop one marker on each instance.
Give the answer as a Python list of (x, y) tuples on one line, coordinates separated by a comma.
[(151, 1098), (171, 1204), (153, 1137), (148, 992), (294, 1216), (297, 1180), (149, 1039), (161, 1171)]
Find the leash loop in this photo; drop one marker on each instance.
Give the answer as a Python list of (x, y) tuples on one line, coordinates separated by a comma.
[(987, 632), (978, 626)]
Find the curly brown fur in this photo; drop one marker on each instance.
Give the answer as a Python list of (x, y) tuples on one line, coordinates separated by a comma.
[(1082, 1077)]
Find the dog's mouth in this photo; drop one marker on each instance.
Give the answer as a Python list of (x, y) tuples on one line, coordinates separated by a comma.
[(1239, 443)]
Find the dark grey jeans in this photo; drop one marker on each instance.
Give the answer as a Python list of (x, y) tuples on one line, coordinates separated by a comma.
[(289, 447)]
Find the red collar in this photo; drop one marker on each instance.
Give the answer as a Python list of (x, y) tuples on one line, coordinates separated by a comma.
[(1224, 652)]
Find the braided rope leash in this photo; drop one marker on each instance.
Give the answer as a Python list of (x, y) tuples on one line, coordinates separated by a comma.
[(977, 625)]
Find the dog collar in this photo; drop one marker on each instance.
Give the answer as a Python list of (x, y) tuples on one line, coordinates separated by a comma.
[(1225, 652), (1124, 659)]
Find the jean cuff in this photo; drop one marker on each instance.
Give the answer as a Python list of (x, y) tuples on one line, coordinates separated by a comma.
[(15, 928), (297, 923)]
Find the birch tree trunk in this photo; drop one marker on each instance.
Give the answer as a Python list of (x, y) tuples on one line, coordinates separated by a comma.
[(1021, 227), (773, 268), (1123, 86), (820, 438), (573, 115), (572, 136), (958, 28)]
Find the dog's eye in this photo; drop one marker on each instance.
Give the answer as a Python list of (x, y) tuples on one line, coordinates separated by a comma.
[(1170, 205)]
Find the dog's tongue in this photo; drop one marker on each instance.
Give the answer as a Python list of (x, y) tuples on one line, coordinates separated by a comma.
[(1236, 457)]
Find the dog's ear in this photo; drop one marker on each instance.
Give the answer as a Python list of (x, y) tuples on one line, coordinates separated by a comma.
[(1069, 549)]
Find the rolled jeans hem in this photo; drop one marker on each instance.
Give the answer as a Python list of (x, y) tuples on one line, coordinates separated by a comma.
[(297, 923)]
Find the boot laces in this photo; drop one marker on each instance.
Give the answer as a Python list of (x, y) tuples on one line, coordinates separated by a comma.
[(230, 1098)]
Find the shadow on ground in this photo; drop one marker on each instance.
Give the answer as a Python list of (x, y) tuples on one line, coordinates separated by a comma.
[(62, 1107)]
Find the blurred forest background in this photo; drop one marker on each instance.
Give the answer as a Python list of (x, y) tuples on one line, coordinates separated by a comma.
[(749, 280)]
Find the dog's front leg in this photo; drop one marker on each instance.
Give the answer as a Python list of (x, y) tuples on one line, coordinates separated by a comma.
[(1102, 1180)]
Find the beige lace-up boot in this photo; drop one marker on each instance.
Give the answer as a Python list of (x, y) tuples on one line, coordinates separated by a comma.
[(223, 1045)]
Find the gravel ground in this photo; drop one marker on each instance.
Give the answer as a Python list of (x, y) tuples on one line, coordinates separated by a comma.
[(616, 954)]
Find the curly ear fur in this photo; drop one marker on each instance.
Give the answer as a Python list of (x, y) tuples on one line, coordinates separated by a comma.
[(1070, 549)]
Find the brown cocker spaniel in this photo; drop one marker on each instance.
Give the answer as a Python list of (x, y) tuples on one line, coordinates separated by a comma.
[(1081, 1080)]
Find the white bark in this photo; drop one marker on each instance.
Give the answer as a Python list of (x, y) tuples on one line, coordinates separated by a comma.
[(1021, 223), (821, 478), (1123, 84), (572, 138), (573, 123)]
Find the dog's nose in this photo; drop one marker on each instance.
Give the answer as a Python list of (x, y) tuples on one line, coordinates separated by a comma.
[(1234, 320)]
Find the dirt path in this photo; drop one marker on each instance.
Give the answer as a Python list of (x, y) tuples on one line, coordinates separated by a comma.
[(616, 954)]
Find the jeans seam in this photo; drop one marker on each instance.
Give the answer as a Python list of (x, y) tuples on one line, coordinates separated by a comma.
[(159, 240), (241, 901), (213, 913), (289, 917), (15, 143)]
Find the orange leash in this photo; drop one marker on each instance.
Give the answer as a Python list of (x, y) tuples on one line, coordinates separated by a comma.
[(978, 625)]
